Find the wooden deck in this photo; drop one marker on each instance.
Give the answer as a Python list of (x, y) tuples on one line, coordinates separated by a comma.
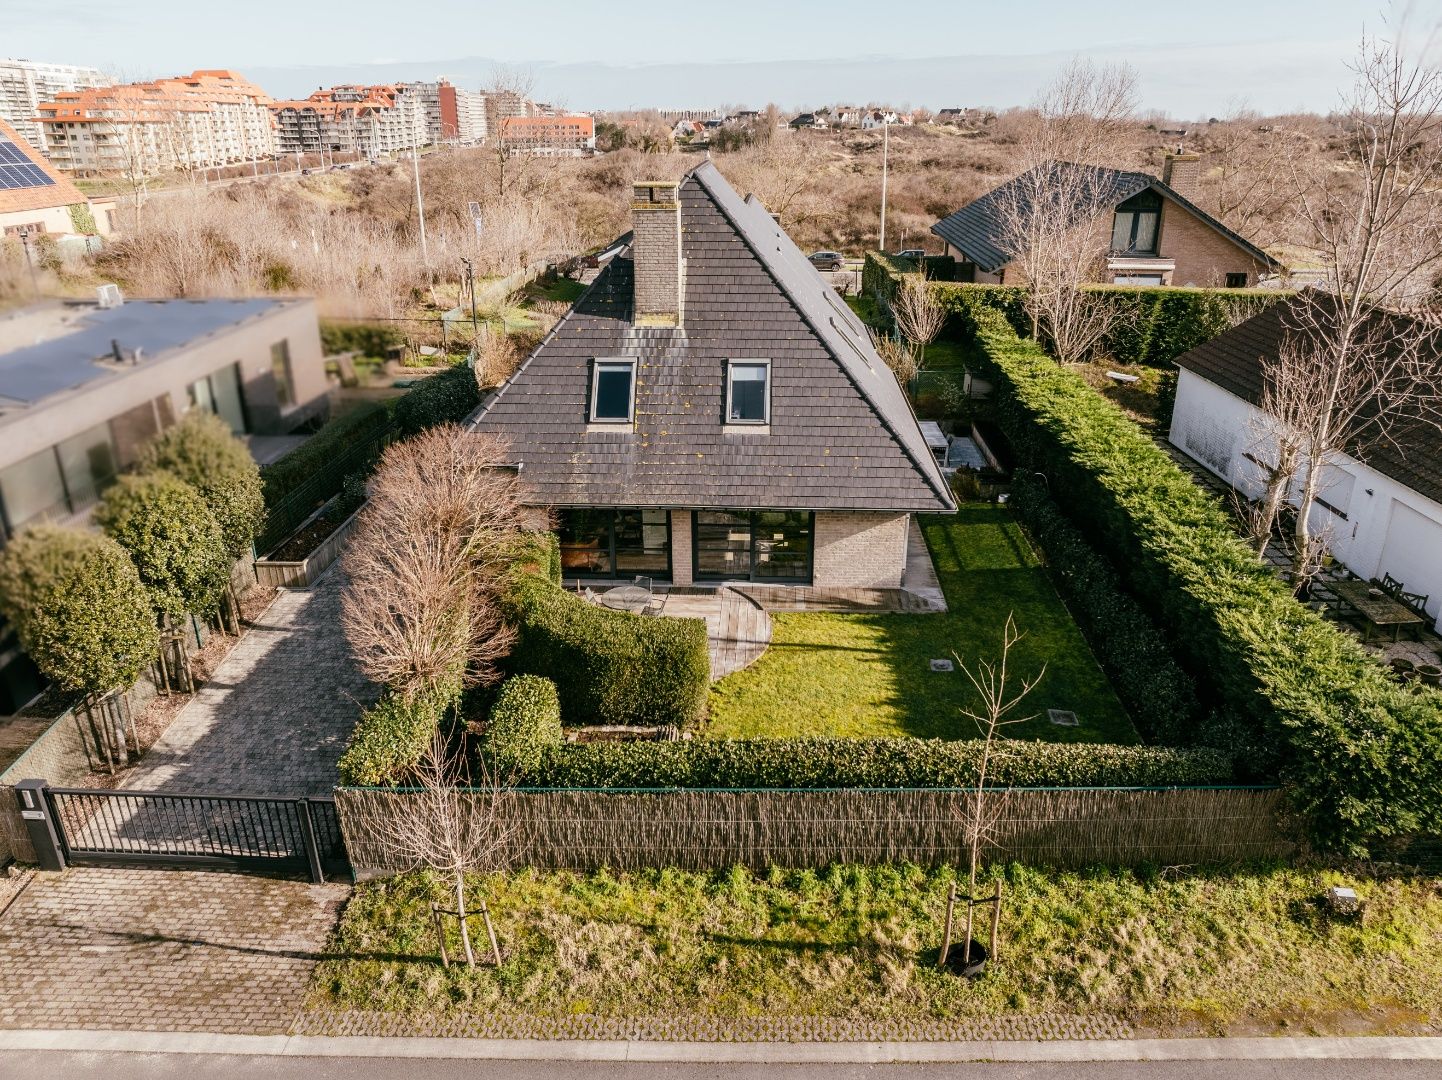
[(737, 628)]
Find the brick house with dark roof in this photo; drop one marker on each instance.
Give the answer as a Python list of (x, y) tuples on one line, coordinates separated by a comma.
[(1158, 235), (710, 410)]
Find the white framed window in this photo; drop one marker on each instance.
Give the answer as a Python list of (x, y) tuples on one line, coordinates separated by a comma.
[(748, 392), (613, 391)]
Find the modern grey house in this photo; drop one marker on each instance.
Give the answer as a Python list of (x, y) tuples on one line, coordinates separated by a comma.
[(84, 385), (710, 410)]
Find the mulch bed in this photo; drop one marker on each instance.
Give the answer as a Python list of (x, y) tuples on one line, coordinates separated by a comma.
[(310, 537)]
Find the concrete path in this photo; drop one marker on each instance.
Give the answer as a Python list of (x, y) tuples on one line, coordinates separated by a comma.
[(162, 951), (277, 713)]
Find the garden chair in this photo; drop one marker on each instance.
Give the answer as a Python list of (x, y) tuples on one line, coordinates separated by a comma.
[(1416, 601), (1391, 586)]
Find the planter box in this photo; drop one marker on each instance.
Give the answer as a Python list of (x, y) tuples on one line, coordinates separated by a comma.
[(301, 575)]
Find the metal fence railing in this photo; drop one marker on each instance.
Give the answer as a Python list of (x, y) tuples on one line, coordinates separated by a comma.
[(289, 512)]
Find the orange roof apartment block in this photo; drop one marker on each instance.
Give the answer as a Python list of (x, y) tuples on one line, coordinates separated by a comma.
[(206, 118), (566, 135), (369, 120)]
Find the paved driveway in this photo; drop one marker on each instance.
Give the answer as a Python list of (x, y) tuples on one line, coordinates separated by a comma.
[(159, 950), (277, 713)]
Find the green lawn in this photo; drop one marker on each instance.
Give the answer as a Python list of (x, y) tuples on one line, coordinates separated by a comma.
[(868, 675), (1241, 951)]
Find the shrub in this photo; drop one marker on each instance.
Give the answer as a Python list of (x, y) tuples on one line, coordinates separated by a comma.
[(364, 425), (609, 667), (78, 607), (1159, 695), (202, 451), (392, 735), (447, 397), (367, 339), (524, 725), (172, 538), (870, 763), (1362, 755)]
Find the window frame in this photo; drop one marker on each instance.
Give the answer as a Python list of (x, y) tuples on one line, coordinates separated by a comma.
[(731, 366), (597, 364), (1231, 281), (1134, 208), (282, 373)]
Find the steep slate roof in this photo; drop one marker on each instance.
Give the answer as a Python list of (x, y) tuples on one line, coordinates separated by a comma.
[(977, 227), (841, 436), (1233, 361)]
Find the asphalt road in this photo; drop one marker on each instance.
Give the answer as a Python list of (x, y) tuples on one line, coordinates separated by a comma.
[(31, 1065)]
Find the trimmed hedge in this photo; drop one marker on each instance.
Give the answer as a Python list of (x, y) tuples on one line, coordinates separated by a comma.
[(390, 738), (609, 667), (1159, 695), (524, 725), (368, 422), (368, 339), (870, 763), (1361, 754), (447, 397)]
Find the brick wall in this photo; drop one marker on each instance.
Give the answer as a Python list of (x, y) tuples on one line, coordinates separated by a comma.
[(681, 547), (1204, 256), (859, 549), (656, 249)]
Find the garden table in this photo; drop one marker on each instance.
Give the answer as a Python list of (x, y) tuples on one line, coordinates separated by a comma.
[(1380, 611), (632, 598)]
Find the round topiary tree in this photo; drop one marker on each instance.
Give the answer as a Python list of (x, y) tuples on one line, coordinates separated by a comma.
[(78, 607), (172, 538), (202, 451)]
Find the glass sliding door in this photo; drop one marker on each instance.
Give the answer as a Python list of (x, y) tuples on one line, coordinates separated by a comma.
[(771, 545), (615, 543)]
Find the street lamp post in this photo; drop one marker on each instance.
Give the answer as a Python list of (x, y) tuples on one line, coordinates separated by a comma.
[(885, 153)]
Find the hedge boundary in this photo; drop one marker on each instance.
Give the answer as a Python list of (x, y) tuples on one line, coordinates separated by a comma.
[(609, 667), (1360, 754)]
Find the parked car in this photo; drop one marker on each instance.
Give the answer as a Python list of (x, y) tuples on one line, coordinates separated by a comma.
[(911, 253), (826, 260)]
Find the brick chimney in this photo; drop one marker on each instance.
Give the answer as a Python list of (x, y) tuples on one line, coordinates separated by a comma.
[(1183, 174), (656, 251)]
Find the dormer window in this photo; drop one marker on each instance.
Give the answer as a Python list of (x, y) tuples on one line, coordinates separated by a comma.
[(748, 392), (1136, 225), (613, 391)]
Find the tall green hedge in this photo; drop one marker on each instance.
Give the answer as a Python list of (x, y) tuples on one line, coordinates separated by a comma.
[(610, 667), (368, 339), (203, 452), (869, 763), (447, 397), (1361, 754), (524, 725), (363, 425), (391, 737)]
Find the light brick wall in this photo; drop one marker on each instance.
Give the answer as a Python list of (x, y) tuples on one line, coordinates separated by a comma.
[(1204, 257), (859, 549), (656, 251), (681, 547)]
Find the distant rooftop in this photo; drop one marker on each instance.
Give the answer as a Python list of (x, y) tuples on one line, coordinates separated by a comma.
[(50, 349)]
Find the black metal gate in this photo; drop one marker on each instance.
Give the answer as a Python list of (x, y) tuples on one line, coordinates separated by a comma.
[(228, 832)]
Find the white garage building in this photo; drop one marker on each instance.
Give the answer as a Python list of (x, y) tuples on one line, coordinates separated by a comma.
[(1383, 516)]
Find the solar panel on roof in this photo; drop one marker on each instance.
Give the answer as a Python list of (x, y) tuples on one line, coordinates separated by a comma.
[(17, 170)]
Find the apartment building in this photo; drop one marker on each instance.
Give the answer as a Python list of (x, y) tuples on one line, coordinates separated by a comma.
[(463, 115), (566, 135), (24, 84), (369, 120), (194, 121)]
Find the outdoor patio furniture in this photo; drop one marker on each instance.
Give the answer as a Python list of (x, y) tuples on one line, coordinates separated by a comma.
[(1378, 611), (1416, 601), (633, 598)]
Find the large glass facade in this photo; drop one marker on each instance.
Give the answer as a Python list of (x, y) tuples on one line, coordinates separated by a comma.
[(87, 461), (219, 393), (771, 545), (32, 489), (615, 543)]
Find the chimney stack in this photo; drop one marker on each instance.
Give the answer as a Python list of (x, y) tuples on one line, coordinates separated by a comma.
[(1183, 174), (656, 252)]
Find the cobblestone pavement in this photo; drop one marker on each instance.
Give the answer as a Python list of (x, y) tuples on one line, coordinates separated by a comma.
[(162, 950), (276, 715)]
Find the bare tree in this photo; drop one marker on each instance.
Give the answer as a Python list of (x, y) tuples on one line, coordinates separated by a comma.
[(452, 822), (918, 315), (1052, 216), (897, 354), (425, 562), (1377, 225), (993, 713)]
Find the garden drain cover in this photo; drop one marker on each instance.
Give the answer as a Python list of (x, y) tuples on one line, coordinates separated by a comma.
[(942, 665), (1062, 717)]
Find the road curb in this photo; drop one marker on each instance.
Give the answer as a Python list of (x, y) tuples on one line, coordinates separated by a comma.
[(1250, 1049)]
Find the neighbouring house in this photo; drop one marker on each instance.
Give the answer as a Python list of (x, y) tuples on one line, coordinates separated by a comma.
[(1158, 234), (710, 410), (83, 386), (35, 199), (1381, 515), (875, 118), (688, 129), (809, 120)]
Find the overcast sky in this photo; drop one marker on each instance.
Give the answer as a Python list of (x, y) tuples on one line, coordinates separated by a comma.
[(1194, 58)]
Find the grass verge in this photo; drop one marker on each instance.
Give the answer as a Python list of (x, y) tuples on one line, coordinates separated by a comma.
[(863, 676), (1241, 951)]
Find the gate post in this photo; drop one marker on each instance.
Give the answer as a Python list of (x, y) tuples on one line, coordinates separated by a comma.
[(40, 824), (307, 835)]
